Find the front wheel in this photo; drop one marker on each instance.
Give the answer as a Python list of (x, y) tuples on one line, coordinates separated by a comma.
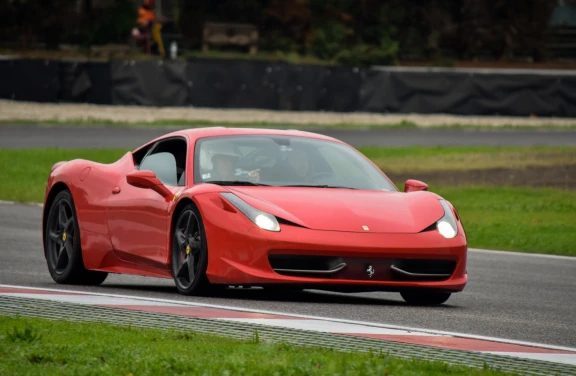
[(425, 298), (62, 245), (190, 253)]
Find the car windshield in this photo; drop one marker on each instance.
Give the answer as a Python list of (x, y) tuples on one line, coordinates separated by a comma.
[(267, 160)]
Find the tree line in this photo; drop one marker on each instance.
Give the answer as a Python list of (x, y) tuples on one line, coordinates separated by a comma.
[(346, 31)]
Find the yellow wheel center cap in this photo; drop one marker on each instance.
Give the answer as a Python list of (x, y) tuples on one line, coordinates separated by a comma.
[(64, 237), (187, 249)]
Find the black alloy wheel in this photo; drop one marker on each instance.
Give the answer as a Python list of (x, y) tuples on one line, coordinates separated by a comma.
[(62, 247), (190, 253)]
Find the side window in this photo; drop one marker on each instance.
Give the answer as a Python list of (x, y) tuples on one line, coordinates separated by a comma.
[(167, 160), (141, 153)]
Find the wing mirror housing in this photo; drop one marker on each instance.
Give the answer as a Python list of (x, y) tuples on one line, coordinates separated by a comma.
[(147, 179), (415, 186)]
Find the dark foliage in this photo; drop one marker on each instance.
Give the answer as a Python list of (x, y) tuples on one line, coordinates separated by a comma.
[(346, 31), (380, 31)]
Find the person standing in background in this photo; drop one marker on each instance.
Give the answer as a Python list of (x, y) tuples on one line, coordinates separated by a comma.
[(144, 21), (150, 24), (159, 21), (146, 16)]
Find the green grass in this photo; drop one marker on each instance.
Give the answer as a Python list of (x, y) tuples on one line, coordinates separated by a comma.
[(42, 347), (136, 54), (24, 173), (416, 159), (270, 56), (274, 125), (517, 219)]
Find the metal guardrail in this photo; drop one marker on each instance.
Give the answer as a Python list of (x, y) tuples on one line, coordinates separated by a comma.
[(25, 307)]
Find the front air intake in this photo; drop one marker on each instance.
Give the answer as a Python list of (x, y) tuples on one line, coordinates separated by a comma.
[(413, 270), (297, 265)]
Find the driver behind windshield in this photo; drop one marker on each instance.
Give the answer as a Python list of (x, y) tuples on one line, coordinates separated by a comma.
[(224, 167)]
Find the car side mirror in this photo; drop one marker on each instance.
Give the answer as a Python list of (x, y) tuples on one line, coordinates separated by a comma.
[(147, 179), (414, 186)]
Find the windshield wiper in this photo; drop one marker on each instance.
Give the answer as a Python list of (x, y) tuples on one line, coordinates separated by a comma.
[(236, 182), (316, 186)]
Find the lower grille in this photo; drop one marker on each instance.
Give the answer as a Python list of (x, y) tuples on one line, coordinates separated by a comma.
[(298, 265), (429, 270), (363, 269)]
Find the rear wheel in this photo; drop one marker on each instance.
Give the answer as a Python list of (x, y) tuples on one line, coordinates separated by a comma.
[(190, 253), (425, 298), (62, 245)]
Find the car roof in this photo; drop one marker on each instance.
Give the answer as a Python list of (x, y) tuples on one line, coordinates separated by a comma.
[(195, 133)]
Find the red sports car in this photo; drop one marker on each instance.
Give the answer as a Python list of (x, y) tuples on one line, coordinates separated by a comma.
[(218, 207)]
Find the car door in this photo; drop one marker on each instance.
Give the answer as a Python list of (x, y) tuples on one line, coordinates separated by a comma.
[(139, 222)]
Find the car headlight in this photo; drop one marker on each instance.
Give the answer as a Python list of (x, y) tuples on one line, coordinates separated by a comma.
[(447, 226), (265, 221)]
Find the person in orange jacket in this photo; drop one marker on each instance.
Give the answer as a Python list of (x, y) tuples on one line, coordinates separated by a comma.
[(146, 16), (149, 24)]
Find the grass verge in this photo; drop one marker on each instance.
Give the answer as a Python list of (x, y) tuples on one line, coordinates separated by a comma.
[(517, 219), (24, 173), (456, 158), (37, 346)]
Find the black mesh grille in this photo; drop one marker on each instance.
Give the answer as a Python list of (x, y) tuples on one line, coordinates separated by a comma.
[(362, 269)]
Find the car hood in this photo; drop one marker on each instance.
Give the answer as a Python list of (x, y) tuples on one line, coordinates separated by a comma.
[(347, 210)]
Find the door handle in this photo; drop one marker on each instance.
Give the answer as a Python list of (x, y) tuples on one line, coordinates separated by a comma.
[(116, 190)]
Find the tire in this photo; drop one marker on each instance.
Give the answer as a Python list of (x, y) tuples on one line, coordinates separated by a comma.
[(189, 253), (424, 297), (62, 246)]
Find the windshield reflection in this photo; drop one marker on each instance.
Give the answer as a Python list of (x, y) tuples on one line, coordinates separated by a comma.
[(263, 160)]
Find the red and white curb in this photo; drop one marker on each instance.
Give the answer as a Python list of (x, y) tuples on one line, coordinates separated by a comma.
[(424, 337)]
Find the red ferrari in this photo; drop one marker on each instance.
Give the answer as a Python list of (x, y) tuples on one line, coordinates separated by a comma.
[(218, 207)]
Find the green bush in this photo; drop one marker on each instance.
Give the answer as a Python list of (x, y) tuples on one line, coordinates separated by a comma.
[(275, 41), (327, 39), (112, 25), (362, 54)]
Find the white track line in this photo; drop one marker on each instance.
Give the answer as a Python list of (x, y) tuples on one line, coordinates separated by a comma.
[(325, 326), (521, 254), (89, 299), (557, 358), (378, 325)]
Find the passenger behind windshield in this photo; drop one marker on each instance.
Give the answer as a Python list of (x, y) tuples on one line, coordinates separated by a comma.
[(224, 159)]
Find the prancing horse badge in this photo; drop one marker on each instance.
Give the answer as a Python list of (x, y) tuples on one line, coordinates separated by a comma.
[(370, 271)]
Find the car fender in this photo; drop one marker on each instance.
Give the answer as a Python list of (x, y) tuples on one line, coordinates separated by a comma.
[(90, 184)]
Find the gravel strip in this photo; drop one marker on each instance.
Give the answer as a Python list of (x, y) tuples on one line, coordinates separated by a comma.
[(28, 111)]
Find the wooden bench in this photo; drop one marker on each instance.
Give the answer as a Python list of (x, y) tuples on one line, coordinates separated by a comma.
[(230, 34)]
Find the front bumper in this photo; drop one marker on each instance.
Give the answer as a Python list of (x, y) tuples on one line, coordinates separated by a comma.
[(239, 255)]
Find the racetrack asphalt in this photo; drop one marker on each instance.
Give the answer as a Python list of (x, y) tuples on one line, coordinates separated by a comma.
[(509, 296), (512, 296), (29, 136)]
